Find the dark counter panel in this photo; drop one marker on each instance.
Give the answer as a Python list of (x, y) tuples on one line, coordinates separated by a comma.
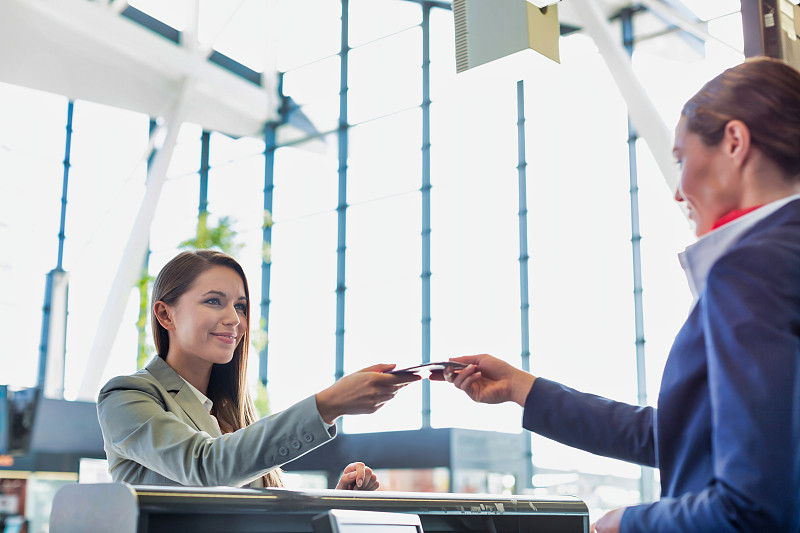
[(123, 508)]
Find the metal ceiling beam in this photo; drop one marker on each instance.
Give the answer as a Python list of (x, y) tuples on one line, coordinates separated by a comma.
[(692, 27), (641, 109), (129, 268), (86, 50)]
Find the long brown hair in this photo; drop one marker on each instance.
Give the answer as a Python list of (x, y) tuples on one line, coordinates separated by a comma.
[(227, 387), (764, 93)]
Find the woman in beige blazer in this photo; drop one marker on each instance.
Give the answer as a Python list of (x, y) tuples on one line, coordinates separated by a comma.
[(188, 419)]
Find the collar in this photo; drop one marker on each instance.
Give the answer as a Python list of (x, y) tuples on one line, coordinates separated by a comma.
[(698, 258), (733, 215), (174, 382), (207, 403)]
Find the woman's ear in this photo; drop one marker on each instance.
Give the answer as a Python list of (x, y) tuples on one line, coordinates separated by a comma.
[(737, 141), (163, 315)]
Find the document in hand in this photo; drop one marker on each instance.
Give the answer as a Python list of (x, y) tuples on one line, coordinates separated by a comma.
[(427, 368)]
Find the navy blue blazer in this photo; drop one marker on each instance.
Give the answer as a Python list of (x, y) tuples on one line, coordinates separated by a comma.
[(726, 432)]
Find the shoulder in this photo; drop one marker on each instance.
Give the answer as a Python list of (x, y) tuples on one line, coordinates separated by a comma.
[(771, 250), (759, 275), (139, 382)]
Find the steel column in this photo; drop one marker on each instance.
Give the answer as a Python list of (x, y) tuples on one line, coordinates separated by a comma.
[(205, 143), (647, 478), (341, 208), (426, 209), (524, 306), (270, 145), (144, 280), (48, 291), (67, 149)]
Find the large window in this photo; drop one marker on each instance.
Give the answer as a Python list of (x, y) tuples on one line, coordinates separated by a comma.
[(579, 226)]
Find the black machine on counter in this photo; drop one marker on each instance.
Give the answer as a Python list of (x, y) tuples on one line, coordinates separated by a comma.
[(123, 508)]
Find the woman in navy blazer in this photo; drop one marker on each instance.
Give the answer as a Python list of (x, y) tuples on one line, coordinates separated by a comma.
[(726, 431), (187, 418)]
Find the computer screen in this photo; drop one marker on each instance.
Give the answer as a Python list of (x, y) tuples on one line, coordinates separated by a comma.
[(351, 521)]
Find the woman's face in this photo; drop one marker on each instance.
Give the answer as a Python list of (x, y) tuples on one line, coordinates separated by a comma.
[(209, 320), (705, 184)]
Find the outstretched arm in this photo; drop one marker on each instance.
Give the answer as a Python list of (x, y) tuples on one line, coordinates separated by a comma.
[(362, 392)]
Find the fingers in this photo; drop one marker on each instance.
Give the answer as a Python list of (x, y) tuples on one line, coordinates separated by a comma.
[(359, 471), (469, 359), (380, 367), (466, 374), (358, 476)]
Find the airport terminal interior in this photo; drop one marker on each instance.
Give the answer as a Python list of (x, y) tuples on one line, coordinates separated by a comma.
[(403, 181)]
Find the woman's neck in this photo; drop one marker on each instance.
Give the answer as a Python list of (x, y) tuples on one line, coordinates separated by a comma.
[(765, 182), (198, 374)]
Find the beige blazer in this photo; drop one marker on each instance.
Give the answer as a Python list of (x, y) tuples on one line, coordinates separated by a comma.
[(156, 432)]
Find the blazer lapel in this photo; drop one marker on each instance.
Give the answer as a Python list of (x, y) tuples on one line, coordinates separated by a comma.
[(183, 395)]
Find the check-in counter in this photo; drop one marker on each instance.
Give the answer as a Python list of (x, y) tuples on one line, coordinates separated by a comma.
[(123, 508)]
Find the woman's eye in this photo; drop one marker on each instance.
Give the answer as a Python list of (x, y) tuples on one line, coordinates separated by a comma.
[(213, 301), (241, 308)]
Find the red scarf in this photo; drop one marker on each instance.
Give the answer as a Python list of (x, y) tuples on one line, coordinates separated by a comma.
[(733, 215)]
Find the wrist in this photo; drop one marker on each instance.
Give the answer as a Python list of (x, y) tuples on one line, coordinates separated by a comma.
[(521, 387), (325, 408)]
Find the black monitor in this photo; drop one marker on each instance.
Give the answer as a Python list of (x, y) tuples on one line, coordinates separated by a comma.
[(17, 412), (351, 521)]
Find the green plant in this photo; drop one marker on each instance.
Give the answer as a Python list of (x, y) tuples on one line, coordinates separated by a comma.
[(222, 236)]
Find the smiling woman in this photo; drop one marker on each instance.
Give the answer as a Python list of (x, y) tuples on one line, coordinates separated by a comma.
[(187, 418)]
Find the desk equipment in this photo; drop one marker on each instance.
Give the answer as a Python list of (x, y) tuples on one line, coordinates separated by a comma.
[(123, 508), (349, 521)]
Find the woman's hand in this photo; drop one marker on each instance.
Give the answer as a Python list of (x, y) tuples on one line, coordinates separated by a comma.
[(358, 476), (488, 379), (609, 522), (362, 392)]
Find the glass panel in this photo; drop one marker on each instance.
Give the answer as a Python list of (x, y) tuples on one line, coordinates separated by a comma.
[(106, 186), (32, 140), (303, 309), (321, 117), (385, 157), (305, 182), (224, 150), (244, 31), (475, 243), (313, 82), (309, 30), (373, 19), (315, 88), (385, 76), (443, 58), (383, 301)]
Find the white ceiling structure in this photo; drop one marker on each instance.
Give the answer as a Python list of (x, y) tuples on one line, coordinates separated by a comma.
[(87, 50)]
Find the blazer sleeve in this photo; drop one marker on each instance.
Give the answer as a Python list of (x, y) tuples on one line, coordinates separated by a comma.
[(751, 317), (592, 423), (137, 426)]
